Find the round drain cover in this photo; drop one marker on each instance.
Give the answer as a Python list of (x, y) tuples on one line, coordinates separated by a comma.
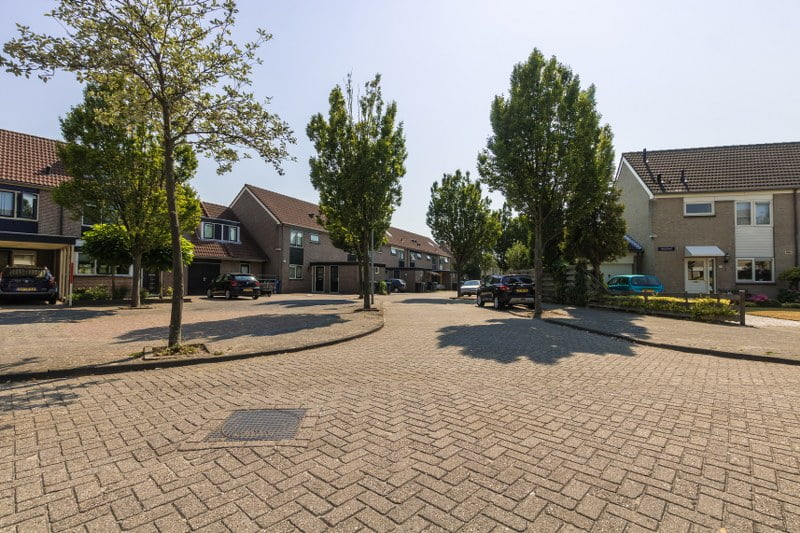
[(262, 424)]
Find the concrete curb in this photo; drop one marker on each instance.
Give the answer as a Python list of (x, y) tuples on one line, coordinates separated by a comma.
[(92, 370), (677, 347)]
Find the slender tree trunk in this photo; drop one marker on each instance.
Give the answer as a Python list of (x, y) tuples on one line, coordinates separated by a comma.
[(113, 281), (136, 282), (176, 317), (458, 282), (537, 264), (366, 276)]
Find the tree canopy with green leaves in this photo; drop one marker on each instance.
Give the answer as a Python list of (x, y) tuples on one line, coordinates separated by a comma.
[(172, 63), (537, 149), (360, 159), (117, 177), (461, 218)]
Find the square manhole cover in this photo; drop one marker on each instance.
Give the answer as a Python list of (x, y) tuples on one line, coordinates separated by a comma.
[(260, 424)]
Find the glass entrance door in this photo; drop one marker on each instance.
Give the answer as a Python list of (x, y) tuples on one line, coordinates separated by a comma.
[(699, 275), (319, 279)]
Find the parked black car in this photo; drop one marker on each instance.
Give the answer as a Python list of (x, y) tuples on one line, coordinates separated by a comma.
[(234, 285), (396, 285), (28, 283), (506, 290)]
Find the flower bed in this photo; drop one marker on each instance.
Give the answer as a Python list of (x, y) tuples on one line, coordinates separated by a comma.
[(706, 309)]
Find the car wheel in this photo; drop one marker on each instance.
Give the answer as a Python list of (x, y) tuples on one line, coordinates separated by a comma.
[(479, 301), (52, 301), (531, 306), (496, 303), (209, 293), (395, 289), (255, 297), (227, 294)]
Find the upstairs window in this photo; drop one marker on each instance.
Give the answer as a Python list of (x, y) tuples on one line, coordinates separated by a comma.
[(214, 231), (296, 239), (7, 204), (313, 238), (698, 209), (746, 210)]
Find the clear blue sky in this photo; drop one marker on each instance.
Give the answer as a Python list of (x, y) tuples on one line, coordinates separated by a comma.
[(668, 75)]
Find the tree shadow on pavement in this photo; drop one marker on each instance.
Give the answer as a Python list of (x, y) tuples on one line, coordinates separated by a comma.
[(307, 303), (247, 326), (509, 339), (446, 300), (612, 322), (8, 365), (50, 315), (27, 396)]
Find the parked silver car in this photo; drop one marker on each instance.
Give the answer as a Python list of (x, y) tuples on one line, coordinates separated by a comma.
[(470, 286)]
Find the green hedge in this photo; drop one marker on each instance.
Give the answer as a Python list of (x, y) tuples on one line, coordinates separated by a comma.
[(698, 309)]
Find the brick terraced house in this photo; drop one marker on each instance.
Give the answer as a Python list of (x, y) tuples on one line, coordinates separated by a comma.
[(714, 219), (34, 230), (221, 245), (303, 258)]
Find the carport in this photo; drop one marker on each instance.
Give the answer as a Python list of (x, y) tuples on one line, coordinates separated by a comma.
[(56, 252)]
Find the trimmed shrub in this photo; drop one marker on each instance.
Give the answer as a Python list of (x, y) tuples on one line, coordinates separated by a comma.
[(789, 296), (120, 293), (382, 288), (791, 305), (698, 309), (93, 294)]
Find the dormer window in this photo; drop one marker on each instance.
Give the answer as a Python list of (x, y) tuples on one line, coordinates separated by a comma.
[(214, 231)]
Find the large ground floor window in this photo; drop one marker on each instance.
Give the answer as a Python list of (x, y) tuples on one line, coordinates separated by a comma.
[(295, 271), (754, 270), (85, 264)]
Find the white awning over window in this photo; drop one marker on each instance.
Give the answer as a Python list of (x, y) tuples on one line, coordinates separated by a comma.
[(704, 251)]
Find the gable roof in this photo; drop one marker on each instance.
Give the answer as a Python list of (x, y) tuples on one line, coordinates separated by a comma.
[(288, 210), (295, 212), (217, 211), (719, 168), (30, 160), (414, 242)]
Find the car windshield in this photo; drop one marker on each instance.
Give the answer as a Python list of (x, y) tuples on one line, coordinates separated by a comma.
[(470, 283), (244, 277), (517, 279), (640, 281), (24, 273)]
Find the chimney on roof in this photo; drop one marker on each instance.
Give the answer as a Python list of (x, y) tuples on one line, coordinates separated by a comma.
[(48, 169), (644, 155)]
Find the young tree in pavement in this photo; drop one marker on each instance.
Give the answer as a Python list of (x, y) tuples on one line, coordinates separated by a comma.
[(461, 218), (108, 244), (360, 159), (168, 62), (117, 178), (530, 155)]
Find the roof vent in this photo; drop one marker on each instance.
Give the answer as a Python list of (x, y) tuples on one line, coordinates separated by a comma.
[(48, 169), (683, 176), (658, 179)]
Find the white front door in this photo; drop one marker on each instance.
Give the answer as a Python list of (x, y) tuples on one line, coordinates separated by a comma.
[(699, 275)]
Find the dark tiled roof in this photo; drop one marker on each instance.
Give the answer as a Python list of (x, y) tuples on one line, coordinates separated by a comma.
[(247, 249), (218, 211), (296, 212), (288, 210), (720, 168), (30, 160), (414, 241)]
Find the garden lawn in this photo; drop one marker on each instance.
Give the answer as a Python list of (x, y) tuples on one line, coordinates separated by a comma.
[(775, 312)]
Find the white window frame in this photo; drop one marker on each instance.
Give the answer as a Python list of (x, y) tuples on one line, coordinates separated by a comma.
[(244, 268), (753, 216), (95, 265), (313, 238), (703, 202), (393, 251), (295, 272), (753, 269), (223, 229), (203, 231), (292, 243)]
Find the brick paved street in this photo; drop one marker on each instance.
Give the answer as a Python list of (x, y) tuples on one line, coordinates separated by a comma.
[(449, 418)]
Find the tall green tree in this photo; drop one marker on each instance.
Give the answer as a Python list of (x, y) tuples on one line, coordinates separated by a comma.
[(117, 178), (595, 227), (168, 62), (108, 244), (461, 218), (518, 257), (512, 229), (360, 159), (532, 155)]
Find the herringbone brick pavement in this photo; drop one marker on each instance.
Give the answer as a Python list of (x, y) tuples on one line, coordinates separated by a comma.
[(450, 418)]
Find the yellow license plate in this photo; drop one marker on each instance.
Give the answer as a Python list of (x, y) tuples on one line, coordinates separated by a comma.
[(522, 290), (26, 289), (247, 290)]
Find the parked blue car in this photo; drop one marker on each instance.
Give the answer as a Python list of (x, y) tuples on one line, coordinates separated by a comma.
[(635, 283)]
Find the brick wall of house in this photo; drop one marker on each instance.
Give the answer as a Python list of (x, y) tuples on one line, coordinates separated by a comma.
[(673, 229), (89, 282), (53, 220), (634, 198), (785, 234), (263, 229)]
